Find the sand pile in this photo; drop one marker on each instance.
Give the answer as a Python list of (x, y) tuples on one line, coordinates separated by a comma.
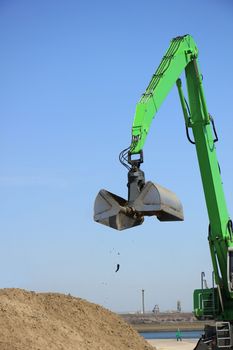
[(49, 321)]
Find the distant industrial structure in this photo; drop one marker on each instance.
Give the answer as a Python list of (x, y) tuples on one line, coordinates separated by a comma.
[(156, 309), (143, 301), (178, 306)]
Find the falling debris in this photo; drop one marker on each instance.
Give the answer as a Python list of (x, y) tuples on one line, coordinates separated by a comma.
[(118, 267)]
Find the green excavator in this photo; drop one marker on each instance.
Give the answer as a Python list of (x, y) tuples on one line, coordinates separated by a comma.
[(150, 199)]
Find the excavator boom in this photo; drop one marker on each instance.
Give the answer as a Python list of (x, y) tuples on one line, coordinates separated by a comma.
[(180, 53), (150, 199)]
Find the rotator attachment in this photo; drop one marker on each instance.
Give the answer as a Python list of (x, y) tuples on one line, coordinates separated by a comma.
[(144, 199)]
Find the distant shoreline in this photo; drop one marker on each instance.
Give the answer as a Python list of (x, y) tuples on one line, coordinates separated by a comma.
[(168, 327), (164, 322)]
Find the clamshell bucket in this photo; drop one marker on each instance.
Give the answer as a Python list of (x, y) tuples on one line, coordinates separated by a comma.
[(112, 211), (153, 199)]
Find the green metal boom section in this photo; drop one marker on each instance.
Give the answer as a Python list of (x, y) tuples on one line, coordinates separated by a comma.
[(182, 55)]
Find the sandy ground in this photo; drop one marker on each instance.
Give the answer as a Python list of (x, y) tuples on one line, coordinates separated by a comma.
[(171, 344), (52, 321)]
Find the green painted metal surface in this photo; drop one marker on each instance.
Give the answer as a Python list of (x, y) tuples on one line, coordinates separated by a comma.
[(206, 303), (182, 56), (181, 51)]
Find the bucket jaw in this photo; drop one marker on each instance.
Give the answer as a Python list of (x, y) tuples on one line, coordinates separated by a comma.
[(112, 211), (158, 201)]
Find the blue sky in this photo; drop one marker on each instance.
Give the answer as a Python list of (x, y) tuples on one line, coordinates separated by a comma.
[(71, 75)]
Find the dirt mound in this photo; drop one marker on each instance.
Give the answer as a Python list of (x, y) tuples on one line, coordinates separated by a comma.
[(50, 321)]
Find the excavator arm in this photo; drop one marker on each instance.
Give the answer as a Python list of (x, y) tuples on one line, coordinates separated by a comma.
[(182, 55), (149, 199)]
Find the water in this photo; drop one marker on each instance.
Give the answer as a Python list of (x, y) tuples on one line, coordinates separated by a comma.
[(171, 335)]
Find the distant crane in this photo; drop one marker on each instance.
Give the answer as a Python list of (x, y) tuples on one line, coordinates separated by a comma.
[(156, 309)]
